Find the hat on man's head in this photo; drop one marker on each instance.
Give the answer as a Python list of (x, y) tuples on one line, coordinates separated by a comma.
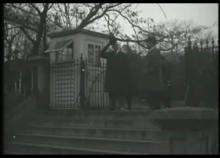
[(151, 38), (112, 39)]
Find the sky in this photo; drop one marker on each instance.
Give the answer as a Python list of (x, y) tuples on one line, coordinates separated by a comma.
[(199, 13)]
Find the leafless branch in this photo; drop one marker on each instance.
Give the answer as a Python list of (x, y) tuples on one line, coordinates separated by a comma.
[(50, 6), (27, 34), (130, 22), (93, 11), (36, 8)]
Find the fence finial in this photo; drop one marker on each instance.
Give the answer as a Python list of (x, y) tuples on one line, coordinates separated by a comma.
[(207, 43), (189, 42), (213, 42), (213, 45), (195, 45), (201, 45)]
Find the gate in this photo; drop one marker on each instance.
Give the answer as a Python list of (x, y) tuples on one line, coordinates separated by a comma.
[(76, 84), (96, 96)]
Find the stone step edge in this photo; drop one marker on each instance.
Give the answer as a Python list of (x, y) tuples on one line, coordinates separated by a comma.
[(75, 148), (93, 111), (91, 138), (94, 128), (152, 139), (96, 113), (86, 119), (91, 122)]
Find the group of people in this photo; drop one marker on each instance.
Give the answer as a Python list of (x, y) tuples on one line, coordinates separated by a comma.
[(120, 80)]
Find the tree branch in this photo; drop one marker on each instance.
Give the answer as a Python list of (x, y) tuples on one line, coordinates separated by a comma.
[(36, 8), (91, 14), (27, 34), (103, 12), (50, 6), (130, 22)]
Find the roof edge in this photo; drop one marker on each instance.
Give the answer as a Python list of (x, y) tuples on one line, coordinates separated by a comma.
[(73, 31)]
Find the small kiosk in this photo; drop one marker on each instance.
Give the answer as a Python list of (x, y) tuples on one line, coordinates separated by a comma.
[(67, 50)]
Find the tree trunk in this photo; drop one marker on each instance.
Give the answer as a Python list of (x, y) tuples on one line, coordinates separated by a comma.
[(37, 43)]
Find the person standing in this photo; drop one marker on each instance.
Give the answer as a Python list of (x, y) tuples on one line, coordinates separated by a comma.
[(112, 75), (153, 82), (118, 75), (127, 76)]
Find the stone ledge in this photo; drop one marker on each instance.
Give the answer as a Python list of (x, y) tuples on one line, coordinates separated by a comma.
[(69, 149), (185, 118), (185, 113)]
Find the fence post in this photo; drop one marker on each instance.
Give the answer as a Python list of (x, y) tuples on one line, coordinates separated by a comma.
[(213, 48), (201, 46), (82, 82), (188, 70), (207, 49)]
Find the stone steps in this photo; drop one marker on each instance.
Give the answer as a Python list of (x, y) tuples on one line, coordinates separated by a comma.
[(99, 123), (29, 148), (96, 119), (94, 114), (93, 132), (124, 133), (118, 145)]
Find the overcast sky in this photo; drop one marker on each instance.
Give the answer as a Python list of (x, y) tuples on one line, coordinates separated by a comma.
[(199, 13)]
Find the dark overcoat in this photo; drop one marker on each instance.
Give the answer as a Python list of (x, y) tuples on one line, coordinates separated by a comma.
[(118, 73), (151, 75)]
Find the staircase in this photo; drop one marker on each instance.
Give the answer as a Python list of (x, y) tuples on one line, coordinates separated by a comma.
[(93, 132)]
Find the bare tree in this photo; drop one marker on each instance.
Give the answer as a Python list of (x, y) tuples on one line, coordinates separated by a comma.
[(176, 34), (10, 34), (89, 15), (31, 19), (82, 15)]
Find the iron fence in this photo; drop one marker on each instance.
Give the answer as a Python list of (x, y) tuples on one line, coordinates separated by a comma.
[(77, 84), (201, 61)]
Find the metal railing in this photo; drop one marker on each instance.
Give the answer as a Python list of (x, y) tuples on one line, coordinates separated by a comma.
[(78, 84)]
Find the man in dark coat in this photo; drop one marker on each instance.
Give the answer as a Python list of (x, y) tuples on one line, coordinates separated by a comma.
[(118, 74), (153, 84), (126, 79)]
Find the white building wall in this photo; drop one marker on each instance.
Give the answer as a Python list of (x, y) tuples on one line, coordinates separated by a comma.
[(81, 42), (88, 39)]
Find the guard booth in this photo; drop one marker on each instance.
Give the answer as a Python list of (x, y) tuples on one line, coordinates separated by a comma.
[(68, 52)]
